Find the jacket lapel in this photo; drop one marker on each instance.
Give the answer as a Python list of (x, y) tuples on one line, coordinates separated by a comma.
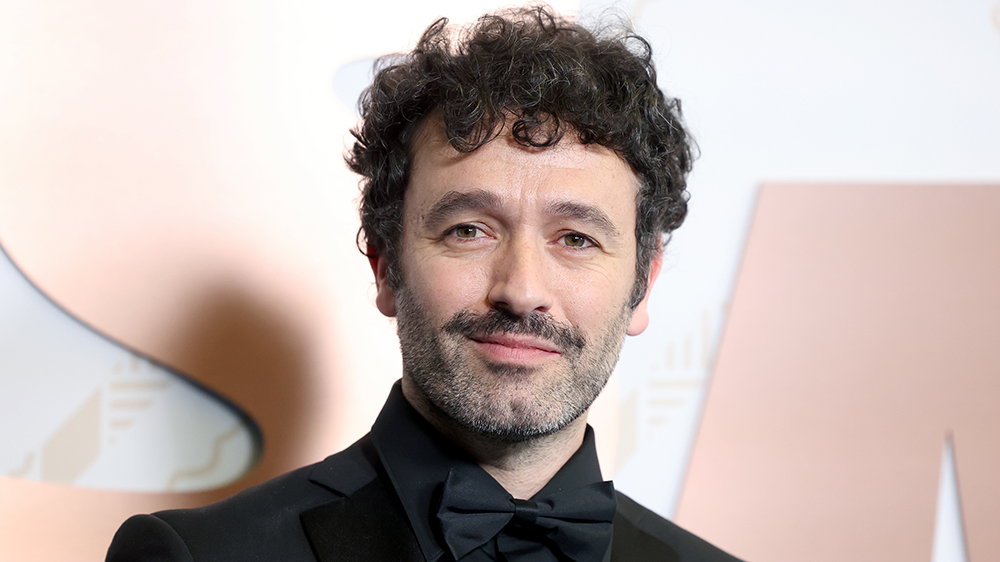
[(365, 526), (367, 523), (630, 543)]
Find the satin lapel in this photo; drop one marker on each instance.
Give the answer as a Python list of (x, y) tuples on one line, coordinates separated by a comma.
[(369, 525), (631, 544)]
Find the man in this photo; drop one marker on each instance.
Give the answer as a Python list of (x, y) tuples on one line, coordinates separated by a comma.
[(518, 178)]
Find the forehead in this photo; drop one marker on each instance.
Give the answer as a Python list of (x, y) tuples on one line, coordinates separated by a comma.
[(566, 170)]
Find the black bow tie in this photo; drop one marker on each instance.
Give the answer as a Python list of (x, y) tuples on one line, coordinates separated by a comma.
[(575, 523)]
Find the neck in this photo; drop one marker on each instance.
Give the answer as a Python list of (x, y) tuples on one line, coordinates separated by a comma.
[(522, 467)]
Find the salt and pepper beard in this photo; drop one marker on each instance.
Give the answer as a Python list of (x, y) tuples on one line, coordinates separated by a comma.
[(438, 361)]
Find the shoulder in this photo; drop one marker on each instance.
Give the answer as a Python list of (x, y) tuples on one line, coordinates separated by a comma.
[(146, 537), (262, 521), (642, 534)]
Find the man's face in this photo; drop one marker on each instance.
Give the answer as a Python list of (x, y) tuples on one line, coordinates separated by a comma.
[(517, 267)]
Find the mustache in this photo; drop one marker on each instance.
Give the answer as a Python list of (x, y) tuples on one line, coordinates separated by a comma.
[(494, 321)]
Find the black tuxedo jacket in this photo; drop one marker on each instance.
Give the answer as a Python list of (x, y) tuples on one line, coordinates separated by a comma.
[(345, 509)]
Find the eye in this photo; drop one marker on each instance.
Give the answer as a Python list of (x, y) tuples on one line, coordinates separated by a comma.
[(577, 240), (465, 231)]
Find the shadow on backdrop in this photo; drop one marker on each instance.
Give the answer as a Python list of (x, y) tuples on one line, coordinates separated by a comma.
[(255, 357), (245, 354)]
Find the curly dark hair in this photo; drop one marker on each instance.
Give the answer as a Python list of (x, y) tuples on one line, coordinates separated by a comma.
[(542, 76)]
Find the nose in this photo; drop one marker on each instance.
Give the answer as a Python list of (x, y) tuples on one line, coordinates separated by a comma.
[(519, 283)]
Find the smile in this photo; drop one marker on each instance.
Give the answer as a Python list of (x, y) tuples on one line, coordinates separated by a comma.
[(505, 348)]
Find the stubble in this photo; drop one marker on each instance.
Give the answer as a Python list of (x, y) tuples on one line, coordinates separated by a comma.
[(500, 401)]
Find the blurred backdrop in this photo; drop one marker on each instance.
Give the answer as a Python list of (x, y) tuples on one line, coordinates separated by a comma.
[(183, 311)]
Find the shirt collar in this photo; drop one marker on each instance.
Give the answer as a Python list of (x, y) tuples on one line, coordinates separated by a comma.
[(417, 459)]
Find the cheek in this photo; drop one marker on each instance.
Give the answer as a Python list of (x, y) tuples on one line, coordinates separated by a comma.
[(445, 286), (595, 298)]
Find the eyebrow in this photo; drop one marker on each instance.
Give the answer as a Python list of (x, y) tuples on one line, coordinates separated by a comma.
[(588, 214), (458, 201)]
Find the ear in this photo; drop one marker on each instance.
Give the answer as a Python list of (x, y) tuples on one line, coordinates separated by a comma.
[(385, 299), (640, 316)]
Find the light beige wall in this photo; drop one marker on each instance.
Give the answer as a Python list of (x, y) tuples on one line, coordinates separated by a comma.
[(863, 333)]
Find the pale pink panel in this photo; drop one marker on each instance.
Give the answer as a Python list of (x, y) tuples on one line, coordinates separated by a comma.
[(864, 328)]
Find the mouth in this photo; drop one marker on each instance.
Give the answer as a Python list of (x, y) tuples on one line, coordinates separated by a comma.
[(521, 349)]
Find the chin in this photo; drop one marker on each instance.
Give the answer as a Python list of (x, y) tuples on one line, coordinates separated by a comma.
[(515, 419)]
